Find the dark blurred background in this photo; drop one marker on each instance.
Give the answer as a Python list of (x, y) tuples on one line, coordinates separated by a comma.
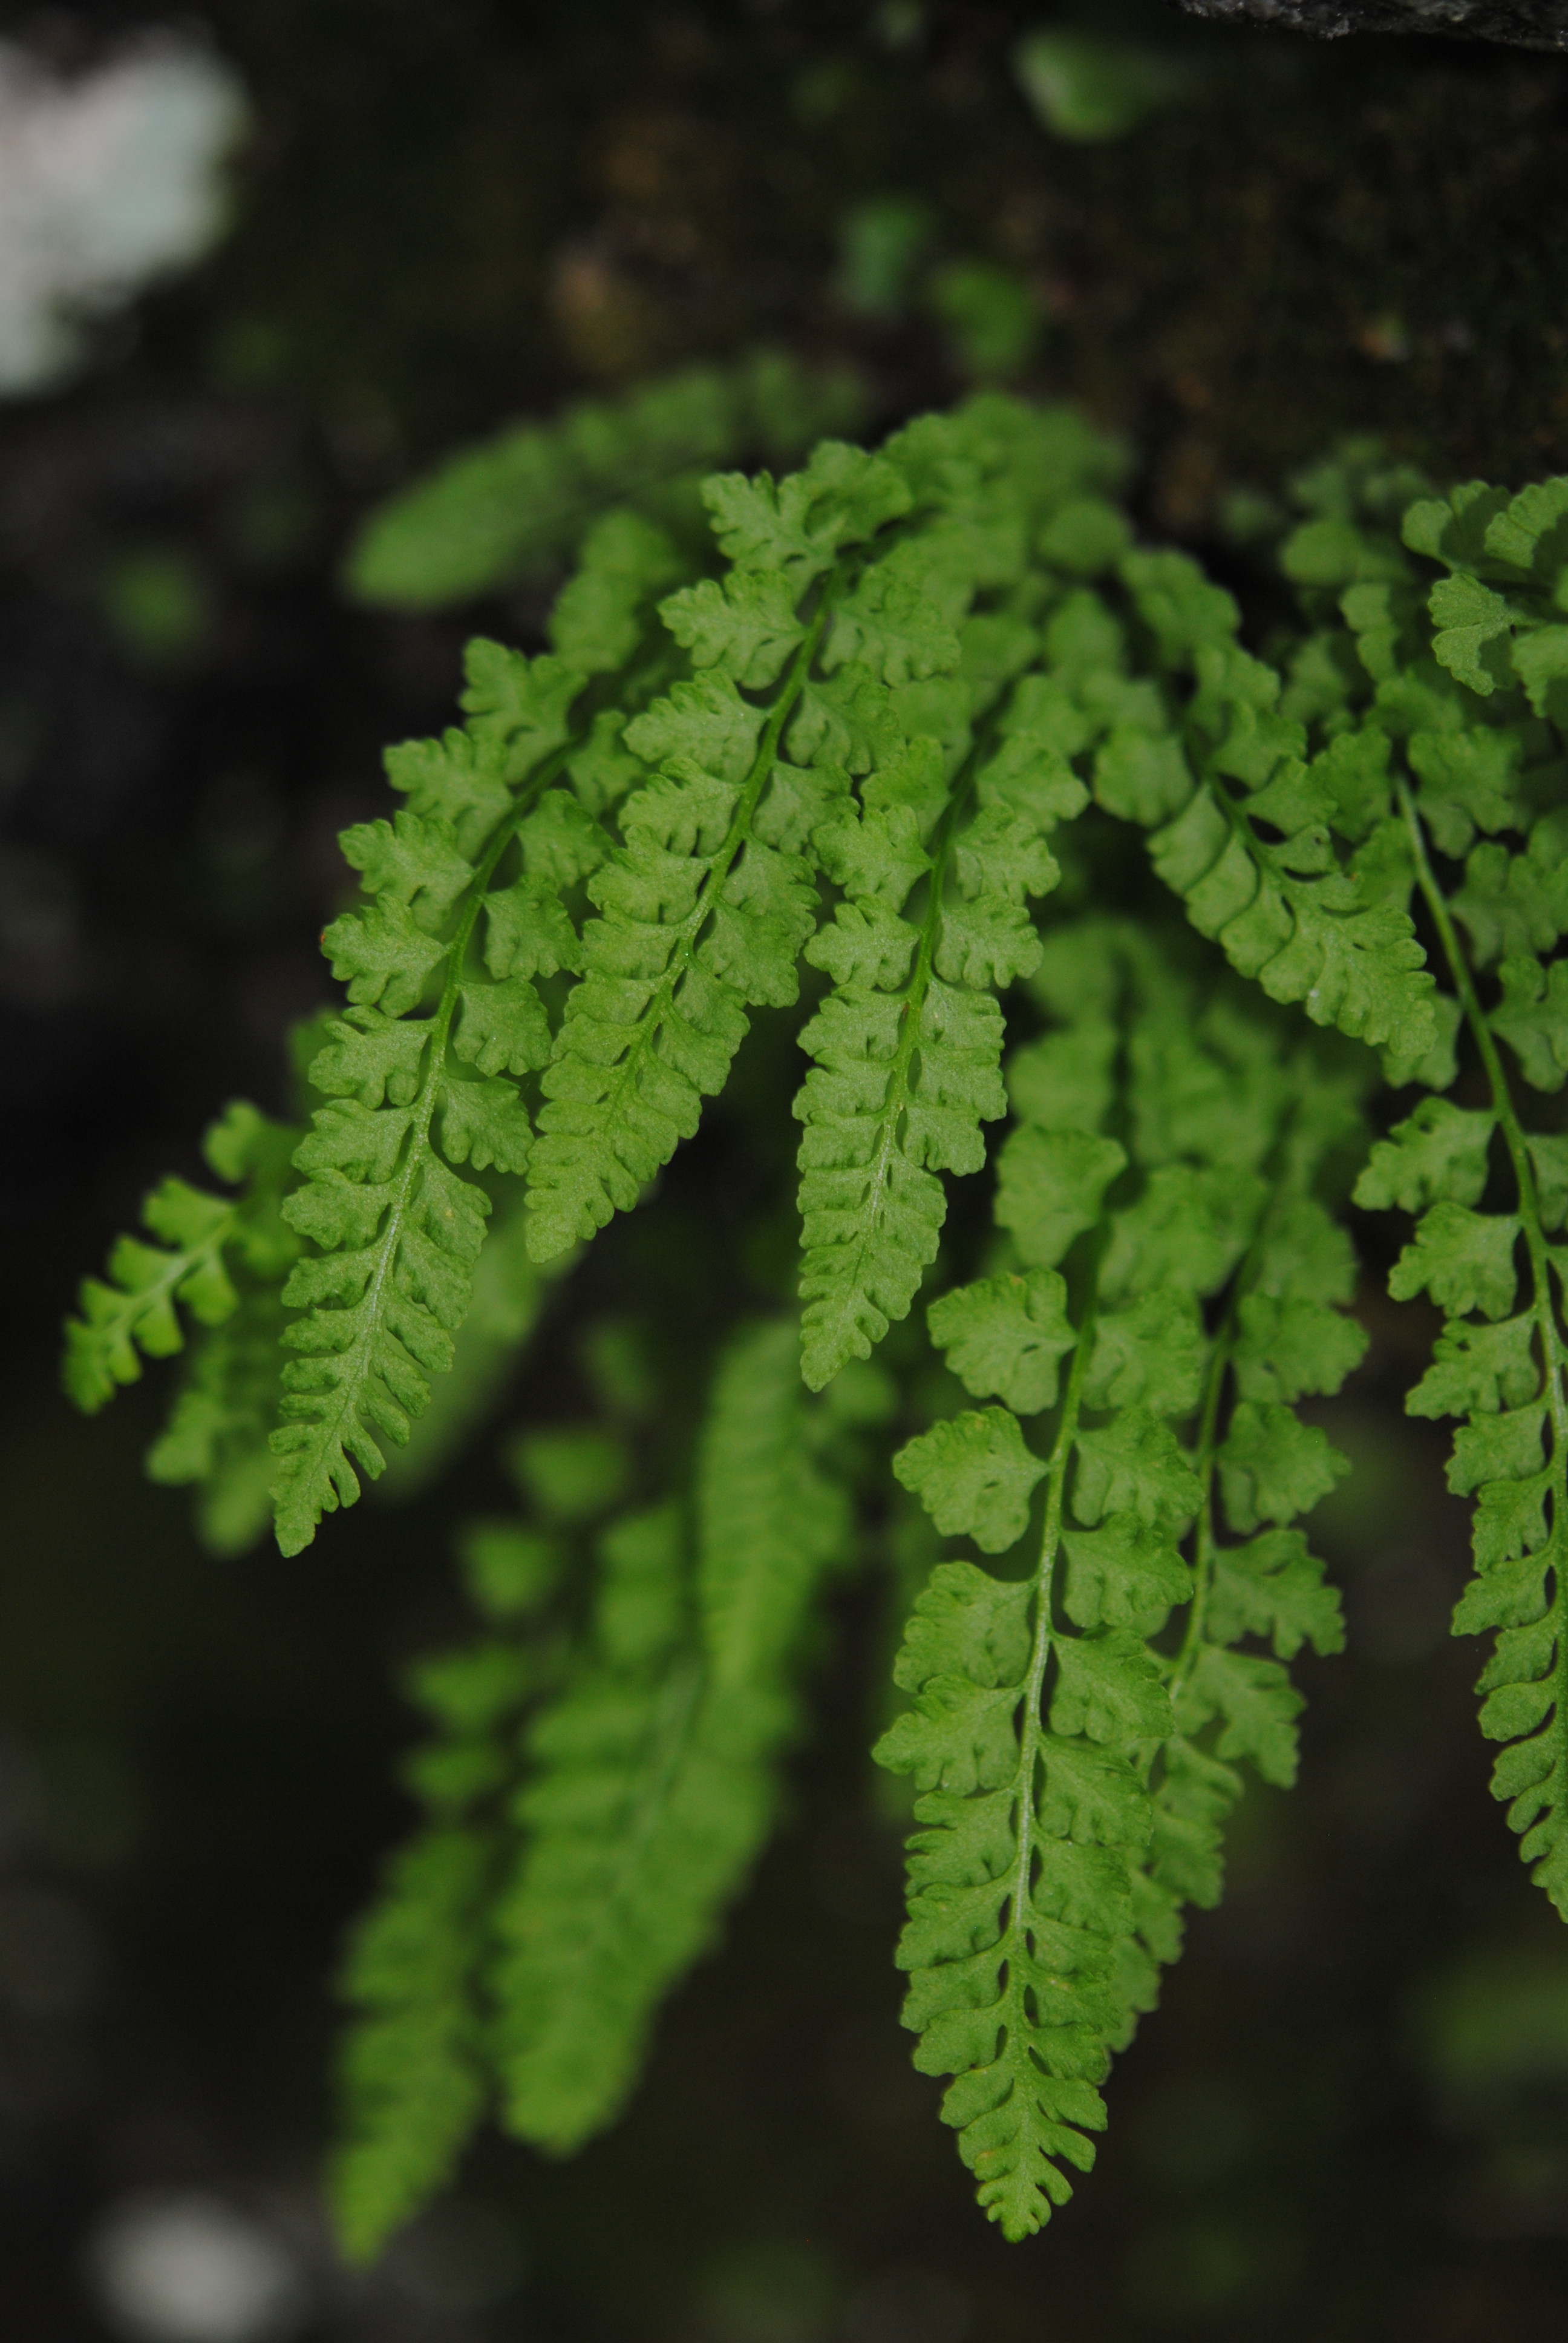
[(1350, 2118)]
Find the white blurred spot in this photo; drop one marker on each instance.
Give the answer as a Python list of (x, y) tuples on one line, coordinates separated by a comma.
[(189, 2268), (105, 181)]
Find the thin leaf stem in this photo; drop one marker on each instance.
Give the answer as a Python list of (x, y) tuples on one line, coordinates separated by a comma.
[(1032, 1721), (1204, 1464)]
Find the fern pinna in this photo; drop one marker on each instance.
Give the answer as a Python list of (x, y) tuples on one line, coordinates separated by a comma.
[(886, 731), (959, 792), (1452, 752), (226, 1262), (1072, 1765), (637, 1747)]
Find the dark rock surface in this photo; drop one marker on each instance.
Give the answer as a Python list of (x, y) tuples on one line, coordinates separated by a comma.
[(1523, 24)]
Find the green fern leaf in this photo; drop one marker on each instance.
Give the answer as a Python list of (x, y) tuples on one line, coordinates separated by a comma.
[(413, 2071), (1127, 1574), (396, 1233), (1508, 1377), (769, 1520), (1465, 1260), (510, 1292), (907, 1046), (974, 1475), (413, 2075), (1069, 1806), (1256, 865), (1271, 1588), (1273, 1467), (797, 526), (1533, 1019), (1017, 1894), (1514, 906), (216, 1437), (655, 1769), (600, 615), (1257, 1706)]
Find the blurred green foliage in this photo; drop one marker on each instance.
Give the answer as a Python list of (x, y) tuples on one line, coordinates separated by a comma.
[(993, 320), (156, 602), (883, 244), (1090, 86)]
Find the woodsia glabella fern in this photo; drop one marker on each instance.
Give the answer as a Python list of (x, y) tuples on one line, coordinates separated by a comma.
[(1062, 889)]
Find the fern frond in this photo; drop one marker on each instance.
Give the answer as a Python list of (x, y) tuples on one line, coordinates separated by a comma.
[(519, 503), (646, 1786), (1054, 1743), (1500, 612), (1446, 742), (217, 1439), (655, 1770), (1501, 1363), (412, 2072), (1242, 826), (703, 910), (394, 1230), (908, 1044), (206, 1246), (415, 2075), (770, 1521), (1284, 1335)]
